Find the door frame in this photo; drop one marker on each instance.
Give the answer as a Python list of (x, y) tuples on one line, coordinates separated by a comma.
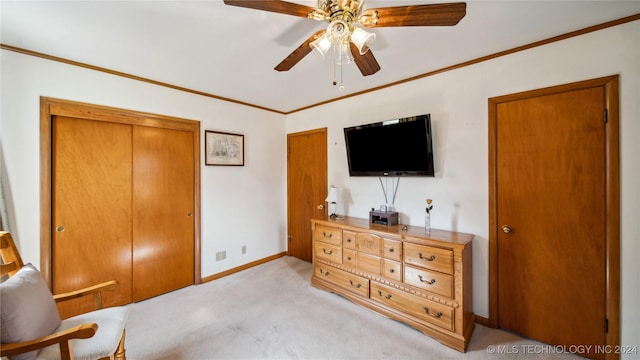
[(612, 201), (50, 107)]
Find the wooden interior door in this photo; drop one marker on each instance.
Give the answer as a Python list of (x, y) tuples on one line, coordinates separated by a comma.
[(306, 187), (91, 188), (163, 210), (551, 214)]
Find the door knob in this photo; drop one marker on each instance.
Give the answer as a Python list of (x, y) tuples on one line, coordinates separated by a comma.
[(506, 229), (320, 207), (60, 228)]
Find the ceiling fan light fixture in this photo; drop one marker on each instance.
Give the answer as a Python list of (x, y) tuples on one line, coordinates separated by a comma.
[(321, 45), (362, 39), (341, 55), (338, 31)]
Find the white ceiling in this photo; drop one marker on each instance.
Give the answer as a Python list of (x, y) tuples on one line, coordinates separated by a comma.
[(230, 52)]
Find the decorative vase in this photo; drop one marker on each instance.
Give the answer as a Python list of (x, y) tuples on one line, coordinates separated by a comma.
[(427, 223)]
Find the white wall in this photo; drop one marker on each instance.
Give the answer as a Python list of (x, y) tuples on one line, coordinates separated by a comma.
[(234, 199), (457, 102)]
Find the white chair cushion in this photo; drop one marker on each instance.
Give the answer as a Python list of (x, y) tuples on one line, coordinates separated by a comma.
[(28, 310), (111, 323)]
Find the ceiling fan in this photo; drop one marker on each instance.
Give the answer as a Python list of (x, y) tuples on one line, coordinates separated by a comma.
[(345, 33)]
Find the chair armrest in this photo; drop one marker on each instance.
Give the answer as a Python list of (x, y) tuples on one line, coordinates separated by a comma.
[(96, 290), (63, 338), (7, 268)]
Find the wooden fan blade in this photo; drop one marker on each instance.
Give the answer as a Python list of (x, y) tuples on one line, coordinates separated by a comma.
[(447, 14), (277, 6), (367, 63), (299, 53)]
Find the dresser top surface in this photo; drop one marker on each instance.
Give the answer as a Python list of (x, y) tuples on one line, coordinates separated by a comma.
[(401, 231)]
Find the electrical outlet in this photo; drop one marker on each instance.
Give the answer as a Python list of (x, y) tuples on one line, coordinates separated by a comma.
[(221, 255), (244, 249)]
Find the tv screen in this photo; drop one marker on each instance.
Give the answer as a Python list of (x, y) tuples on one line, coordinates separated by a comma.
[(398, 147)]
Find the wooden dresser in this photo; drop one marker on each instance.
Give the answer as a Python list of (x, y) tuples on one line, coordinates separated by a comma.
[(421, 280)]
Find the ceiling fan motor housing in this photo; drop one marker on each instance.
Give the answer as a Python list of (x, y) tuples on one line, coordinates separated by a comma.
[(346, 11), (333, 6)]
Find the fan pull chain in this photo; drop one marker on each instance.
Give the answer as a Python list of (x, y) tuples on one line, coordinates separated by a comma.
[(337, 69)]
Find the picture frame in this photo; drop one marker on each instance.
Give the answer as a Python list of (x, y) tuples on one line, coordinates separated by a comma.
[(223, 149)]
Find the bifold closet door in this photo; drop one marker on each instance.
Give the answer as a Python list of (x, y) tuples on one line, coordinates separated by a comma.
[(163, 211), (91, 189)]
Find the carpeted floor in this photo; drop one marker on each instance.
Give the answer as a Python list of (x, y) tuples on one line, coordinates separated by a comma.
[(271, 312)]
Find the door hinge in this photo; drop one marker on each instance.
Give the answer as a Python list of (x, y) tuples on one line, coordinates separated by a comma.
[(606, 325), (606, 116)]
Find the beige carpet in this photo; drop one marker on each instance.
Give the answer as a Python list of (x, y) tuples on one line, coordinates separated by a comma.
[(271, 312)]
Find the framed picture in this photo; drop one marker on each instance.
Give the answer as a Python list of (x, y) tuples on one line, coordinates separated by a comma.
[(223, 149)]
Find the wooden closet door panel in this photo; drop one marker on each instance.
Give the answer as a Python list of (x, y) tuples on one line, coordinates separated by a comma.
[(91, 189), (163, 206)]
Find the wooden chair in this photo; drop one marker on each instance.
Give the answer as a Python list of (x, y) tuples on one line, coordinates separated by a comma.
[(31, 325)]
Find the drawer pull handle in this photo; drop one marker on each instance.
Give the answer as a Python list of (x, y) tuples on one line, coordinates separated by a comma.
[(348, 240), (388, 296), (430, 258), (349, 258), (325, 273), (391, 250), (391, 271), (327, 252), (437, 315), (356, 285), (327, 236), (430, 282)]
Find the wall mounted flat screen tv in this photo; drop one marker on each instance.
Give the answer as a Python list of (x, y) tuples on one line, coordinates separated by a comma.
[(398, 147)]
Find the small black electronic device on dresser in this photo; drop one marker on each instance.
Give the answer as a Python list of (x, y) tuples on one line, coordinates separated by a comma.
[(383, 217)]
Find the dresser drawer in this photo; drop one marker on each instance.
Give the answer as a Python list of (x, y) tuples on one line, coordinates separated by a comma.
[(392, 270), (349, 257), (328, 252), (429, 257), (370, 263), (343, 279), (424, 309), (435, 282), (369, 243), (348, 239), (328, 235), (392, 250)]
